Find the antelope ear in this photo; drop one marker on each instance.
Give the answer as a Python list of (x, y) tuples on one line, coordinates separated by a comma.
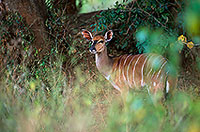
[(108, 36), (86, 34)]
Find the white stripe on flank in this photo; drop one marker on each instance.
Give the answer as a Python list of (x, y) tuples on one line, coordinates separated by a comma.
[(124, 67), (152, 75), (167, 87), (161, 69), (134, 69), (142, 72), (128, 70), (150, 61)]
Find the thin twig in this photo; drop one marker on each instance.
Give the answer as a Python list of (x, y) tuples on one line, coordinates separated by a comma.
[(152, 16), (130, 11)]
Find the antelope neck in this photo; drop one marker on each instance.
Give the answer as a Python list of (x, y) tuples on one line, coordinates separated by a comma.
[(104, 63)]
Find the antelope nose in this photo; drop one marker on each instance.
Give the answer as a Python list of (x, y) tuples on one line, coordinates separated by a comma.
[(92, 50)]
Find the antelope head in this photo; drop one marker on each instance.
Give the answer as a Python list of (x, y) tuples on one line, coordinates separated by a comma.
[(98, 42)]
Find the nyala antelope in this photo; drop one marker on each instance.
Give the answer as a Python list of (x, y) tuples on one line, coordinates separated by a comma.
[(131, 71)]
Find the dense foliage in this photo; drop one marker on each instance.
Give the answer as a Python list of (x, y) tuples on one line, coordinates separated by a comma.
[(127, 21), (62, 91)]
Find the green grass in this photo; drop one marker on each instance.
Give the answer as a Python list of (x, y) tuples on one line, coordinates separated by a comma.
[(87, 103)]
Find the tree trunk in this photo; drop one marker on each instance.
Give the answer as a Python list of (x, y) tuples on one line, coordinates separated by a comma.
[(35, 13)]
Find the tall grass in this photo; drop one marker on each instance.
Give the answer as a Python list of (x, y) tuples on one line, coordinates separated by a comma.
[(31, 104), (179, 114)]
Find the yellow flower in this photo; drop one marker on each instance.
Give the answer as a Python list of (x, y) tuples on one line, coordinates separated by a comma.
[(182, 39), (190, 44)]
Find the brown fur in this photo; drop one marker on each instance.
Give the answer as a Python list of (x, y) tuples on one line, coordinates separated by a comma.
[(133, 71)]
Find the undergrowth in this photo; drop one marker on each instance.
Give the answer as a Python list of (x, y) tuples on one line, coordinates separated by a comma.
[(88, 106), (35, 106), (63, 92)]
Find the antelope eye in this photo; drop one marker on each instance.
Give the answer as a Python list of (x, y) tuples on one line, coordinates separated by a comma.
[(101, 41)]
